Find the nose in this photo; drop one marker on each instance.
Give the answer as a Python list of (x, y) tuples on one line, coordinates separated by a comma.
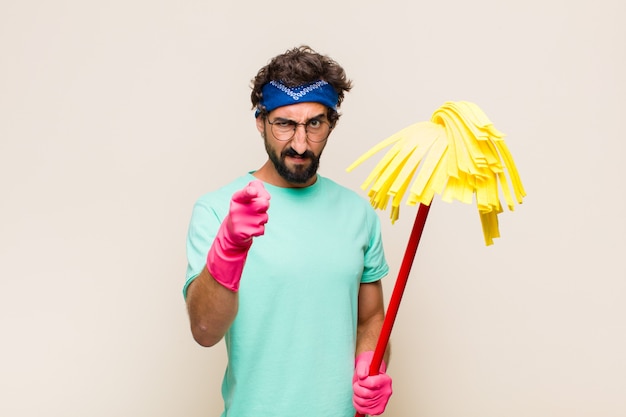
[(299, 141)]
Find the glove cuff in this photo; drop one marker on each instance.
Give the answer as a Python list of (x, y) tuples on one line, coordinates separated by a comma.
[(225, 261), (367, 358)]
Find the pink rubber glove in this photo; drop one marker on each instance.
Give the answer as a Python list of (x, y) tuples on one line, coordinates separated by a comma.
[(371, 393), (246, 219)]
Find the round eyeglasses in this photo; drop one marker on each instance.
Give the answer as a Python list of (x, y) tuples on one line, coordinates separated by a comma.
[(284, 129)]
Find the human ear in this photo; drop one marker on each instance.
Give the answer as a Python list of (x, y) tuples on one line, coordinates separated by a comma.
[(260, 125)]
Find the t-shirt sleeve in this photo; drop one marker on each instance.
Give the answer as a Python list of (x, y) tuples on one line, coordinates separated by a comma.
[(202, 230), (375, 264)]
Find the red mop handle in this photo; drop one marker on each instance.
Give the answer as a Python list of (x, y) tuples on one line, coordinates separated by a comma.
[(398, 290)]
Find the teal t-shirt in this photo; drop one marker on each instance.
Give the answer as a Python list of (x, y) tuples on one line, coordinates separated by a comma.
[(291, 346)]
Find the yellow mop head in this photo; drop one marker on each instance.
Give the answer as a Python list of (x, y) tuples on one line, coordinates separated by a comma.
[(457, 154)]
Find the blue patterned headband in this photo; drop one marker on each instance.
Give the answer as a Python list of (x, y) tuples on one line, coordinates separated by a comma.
[(276, 94)]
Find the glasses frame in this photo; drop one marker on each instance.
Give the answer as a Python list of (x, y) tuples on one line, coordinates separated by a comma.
[(295, 128)]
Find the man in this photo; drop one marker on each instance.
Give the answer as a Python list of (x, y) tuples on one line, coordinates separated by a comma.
[(286, 264)]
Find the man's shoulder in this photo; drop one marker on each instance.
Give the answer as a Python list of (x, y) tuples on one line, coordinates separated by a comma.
[(341, 191)]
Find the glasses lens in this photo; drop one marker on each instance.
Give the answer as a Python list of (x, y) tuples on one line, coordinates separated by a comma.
[(283, 129), (316, 130)]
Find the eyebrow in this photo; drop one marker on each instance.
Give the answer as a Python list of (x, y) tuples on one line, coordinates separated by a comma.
[(319, 116)]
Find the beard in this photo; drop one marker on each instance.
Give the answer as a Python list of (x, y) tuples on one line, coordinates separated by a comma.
[(298, 175)]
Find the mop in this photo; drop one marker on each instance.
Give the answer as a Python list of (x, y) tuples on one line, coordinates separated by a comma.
[(459, 155)]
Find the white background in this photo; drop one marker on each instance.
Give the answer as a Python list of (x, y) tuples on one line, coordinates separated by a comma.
[(115, 116)]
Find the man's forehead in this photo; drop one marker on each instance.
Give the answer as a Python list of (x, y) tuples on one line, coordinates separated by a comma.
[(300, 111)]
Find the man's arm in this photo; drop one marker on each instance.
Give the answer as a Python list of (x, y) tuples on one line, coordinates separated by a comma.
[(212, 300), (212, 309), (370, 392), (371, 314)]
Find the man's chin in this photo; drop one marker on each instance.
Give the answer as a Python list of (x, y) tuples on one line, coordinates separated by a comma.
[(298, 176), (296, 173), (299, 168)]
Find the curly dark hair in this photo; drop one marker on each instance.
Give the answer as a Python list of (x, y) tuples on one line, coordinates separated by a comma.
[(299, 66)]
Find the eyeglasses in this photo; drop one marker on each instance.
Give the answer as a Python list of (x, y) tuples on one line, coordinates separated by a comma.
[(284, 129)]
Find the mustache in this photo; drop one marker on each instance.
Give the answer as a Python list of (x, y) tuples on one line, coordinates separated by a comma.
[(291, 152)]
